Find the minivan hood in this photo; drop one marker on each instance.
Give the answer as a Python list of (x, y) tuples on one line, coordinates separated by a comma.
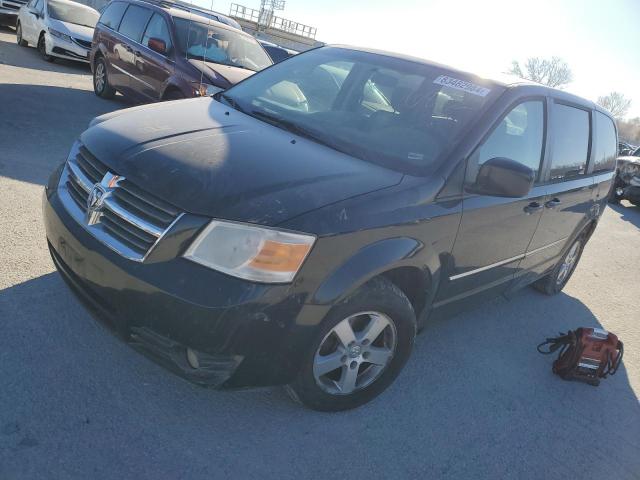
[(224, 76), (208, 159), (73, 30)]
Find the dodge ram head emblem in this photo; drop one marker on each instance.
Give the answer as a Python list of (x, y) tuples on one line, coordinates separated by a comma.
[(97, 196)]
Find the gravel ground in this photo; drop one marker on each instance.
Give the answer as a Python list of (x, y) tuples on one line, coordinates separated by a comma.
[(475, 401)]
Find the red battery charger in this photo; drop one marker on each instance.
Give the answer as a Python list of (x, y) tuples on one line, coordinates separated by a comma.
[(585, 354)]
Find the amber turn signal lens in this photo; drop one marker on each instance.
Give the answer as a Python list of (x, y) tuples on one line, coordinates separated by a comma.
[(280, 257)]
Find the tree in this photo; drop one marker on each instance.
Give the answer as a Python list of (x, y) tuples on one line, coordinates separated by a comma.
[(616, 103), (553, 72)]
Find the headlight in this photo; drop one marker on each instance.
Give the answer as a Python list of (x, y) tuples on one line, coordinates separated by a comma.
[(251, 252), (205, 90), (60, 35)]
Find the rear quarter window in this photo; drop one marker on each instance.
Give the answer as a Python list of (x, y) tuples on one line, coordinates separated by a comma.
[(112, 15), (606, 144)]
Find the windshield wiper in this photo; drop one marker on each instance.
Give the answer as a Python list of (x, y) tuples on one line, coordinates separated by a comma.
[(229, 101), (292, 127)]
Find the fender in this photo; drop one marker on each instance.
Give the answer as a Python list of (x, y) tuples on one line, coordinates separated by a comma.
[(176, 81), (370, 261), (102, 50)]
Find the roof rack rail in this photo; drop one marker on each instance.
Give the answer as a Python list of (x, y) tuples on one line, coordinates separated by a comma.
[(188, 7)]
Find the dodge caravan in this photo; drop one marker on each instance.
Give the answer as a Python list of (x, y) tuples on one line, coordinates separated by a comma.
[(300, 227)]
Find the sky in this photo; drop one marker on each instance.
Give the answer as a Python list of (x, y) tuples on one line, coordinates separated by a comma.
[(599, 39)]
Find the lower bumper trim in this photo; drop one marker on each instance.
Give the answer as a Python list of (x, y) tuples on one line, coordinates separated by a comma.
[(213, 370)]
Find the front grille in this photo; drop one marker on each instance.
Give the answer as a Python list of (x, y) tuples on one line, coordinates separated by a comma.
[(83, 43), (130, 220)]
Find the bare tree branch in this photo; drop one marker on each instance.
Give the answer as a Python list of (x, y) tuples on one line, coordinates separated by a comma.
[(616, 103), (553, 72)]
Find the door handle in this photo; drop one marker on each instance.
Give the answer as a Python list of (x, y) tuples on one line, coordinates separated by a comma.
[(553, 203), (532, 208)]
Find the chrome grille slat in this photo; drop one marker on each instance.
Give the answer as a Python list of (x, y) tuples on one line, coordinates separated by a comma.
[(122, 223), (89, 170), (130, 221), (154, 202), (112, 204), (153, 214), (123, 234)]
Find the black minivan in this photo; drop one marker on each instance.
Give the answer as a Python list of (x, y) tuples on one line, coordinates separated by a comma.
[(301, 227)]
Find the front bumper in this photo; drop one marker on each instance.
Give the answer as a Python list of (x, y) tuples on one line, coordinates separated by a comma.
[(240, 329), (68, 50)]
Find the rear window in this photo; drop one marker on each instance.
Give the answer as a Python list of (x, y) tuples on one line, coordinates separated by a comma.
[(113, 14), (606, 144), (570, 142), (134, 22)]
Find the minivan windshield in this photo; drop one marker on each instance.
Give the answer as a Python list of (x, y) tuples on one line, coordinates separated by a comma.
[(211, 43), (73, 13), (400, 113)]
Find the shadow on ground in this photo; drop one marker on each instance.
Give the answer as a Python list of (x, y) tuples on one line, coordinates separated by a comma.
[(628, 212), (475, 401), (39, 118)]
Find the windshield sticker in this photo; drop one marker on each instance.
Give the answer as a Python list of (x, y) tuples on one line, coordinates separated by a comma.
[(463, 85), (415, 156)]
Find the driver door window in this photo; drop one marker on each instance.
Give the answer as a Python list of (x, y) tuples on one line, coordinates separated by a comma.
[(519, 136)]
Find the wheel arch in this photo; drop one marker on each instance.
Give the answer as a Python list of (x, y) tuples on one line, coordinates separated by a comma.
[(394, 259)]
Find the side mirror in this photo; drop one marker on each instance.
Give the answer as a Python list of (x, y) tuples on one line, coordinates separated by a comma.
[(503, 177), (157, 45), (34, 13)]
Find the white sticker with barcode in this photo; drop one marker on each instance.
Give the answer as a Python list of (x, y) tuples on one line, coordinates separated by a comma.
[(463, 85)]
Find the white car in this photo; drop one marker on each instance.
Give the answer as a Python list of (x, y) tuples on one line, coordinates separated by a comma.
[(58, 28)]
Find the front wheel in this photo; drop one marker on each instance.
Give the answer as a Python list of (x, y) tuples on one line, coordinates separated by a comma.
[(361, 348), (42, 48), (555, 281), (101, 85), (21, 41)]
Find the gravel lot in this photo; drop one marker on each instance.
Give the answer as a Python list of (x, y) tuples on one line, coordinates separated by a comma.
[(475, 401)]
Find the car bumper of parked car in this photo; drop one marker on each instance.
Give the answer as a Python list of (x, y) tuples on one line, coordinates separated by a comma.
[(66, 49), (174, 311)]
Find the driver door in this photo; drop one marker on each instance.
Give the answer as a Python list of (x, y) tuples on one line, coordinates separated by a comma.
[(494, 231)]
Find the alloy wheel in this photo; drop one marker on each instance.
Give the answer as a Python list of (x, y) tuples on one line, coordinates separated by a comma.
[(354, 353), (569, 263), (100, 76)]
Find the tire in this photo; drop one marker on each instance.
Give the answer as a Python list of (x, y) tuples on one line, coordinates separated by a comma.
[(555, 281), (101, 85), (42, 48), (22, 42), (379, 305), (173, 94)]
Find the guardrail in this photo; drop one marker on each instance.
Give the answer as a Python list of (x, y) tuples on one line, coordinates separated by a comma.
[(267, 19)]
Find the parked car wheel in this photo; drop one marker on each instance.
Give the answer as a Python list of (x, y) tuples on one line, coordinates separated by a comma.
[(555, 281), (361, 349), (42, 48), (19, 39), (101, 85)]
